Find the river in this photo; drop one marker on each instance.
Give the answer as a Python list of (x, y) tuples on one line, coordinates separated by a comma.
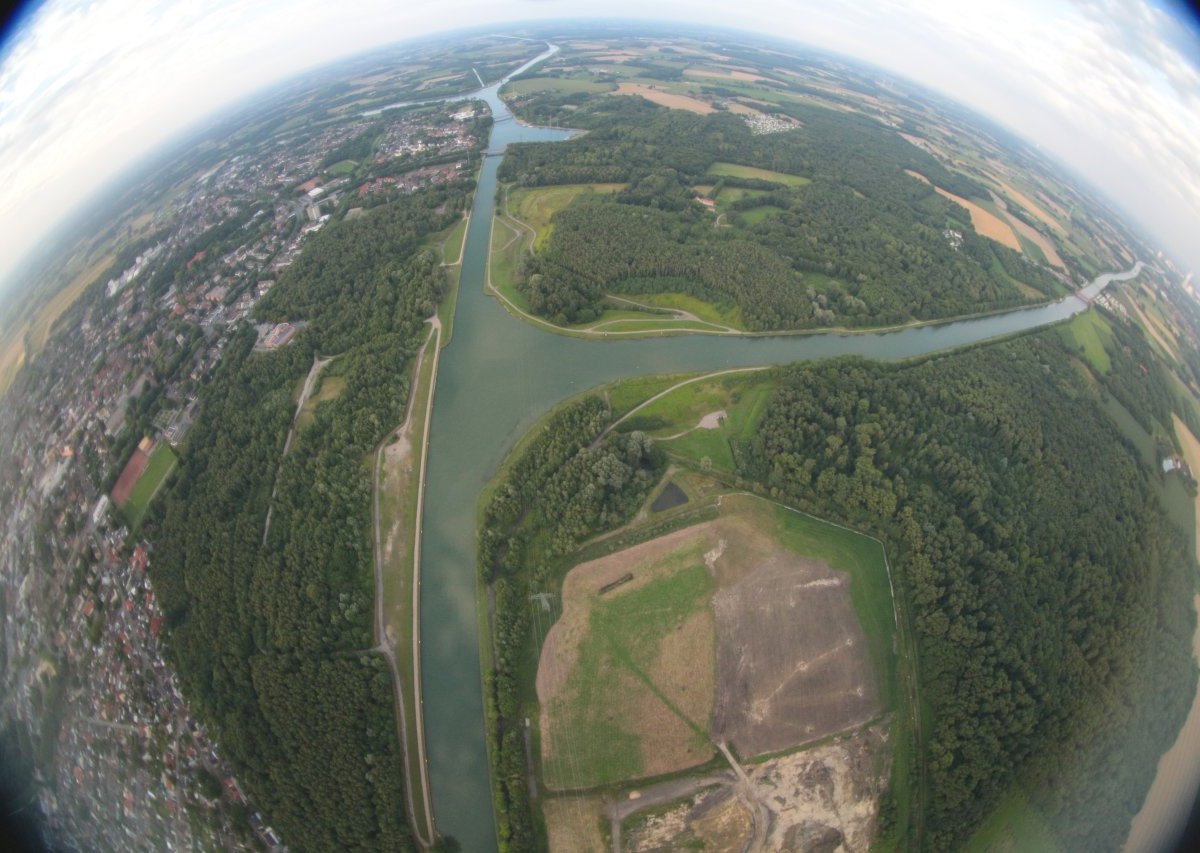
[(497, 376)]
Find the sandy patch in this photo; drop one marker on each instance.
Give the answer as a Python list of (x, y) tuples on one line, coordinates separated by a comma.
[(666, 99), (918, 176), (820, 799), (825, 793)]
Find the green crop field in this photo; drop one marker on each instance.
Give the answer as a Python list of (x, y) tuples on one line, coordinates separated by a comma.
[(557, 85), (1088, 333), (162, 463), (735, 171)]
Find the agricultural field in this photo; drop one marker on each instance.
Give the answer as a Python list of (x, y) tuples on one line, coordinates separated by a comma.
[(662, 97), (554, 85), (733, 170)]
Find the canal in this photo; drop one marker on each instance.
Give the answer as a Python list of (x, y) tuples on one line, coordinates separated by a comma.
[(497, 376)]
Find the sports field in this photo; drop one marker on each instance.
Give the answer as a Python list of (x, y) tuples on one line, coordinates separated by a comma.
[(161, 463)]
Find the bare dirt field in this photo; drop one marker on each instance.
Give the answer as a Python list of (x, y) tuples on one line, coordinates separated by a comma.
[(825, 798), (792, 661), (741, 109), (715, 632), (666, 99)]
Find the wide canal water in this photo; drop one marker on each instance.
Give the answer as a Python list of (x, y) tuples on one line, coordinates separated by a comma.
[(497, 376)]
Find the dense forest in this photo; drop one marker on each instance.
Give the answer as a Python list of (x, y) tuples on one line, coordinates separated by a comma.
[(1050, 595), (273, 639), (862, 244), (563, 488)]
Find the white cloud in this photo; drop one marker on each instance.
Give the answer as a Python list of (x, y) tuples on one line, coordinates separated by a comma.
[(1111, 88)]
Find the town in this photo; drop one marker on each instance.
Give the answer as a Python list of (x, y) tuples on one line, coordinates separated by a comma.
[(92, 430)]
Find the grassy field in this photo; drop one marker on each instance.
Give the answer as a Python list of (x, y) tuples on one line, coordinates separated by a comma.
[(331, 388), (1088, 333), (723, 315), (600, 741), (1014, 826), (557, 85), (735, 171), (743, 401), (536, 206), (162, 463)]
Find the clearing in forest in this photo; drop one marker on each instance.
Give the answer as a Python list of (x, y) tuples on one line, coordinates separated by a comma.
[(734, 170), (761, 628)]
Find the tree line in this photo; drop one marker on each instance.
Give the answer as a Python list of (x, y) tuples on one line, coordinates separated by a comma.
[(273, 641), (561, 490), (862, 244), (1050, 596)]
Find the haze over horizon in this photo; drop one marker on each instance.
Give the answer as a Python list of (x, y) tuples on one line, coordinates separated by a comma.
[(1107, 87)]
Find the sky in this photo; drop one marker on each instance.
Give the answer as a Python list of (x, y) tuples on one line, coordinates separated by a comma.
[(1109, 87)]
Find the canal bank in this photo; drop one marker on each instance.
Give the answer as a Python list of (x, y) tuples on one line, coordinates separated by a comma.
[(496, 377)]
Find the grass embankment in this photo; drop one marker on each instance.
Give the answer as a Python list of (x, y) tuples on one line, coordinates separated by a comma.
[(162, 463), (399, 481)]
